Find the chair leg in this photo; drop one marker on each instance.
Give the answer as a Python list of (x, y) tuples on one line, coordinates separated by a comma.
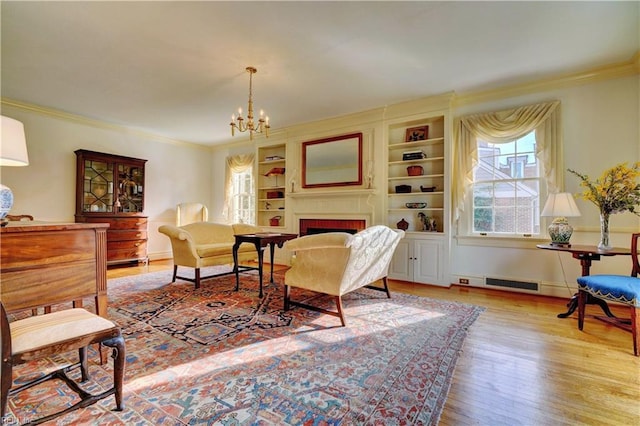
[(84, 369), (635, 329), (386, 287), (6, 378), (197, 277), (582, 301), (340, 314), (119, 355), (175, 273)]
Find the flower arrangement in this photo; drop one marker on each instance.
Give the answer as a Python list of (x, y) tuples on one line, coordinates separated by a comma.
[(616, 191)]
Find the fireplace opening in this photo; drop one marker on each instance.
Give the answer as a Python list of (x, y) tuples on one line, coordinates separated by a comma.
[(317, 226), (311, 231)]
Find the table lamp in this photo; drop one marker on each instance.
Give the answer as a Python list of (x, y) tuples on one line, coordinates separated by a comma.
[(13, 152), (560, 206)]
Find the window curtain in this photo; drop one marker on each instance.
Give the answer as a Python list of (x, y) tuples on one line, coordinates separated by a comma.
[(235, 164), (502, 127)]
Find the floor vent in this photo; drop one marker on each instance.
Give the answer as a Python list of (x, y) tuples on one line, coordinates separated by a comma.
[(523, 285)]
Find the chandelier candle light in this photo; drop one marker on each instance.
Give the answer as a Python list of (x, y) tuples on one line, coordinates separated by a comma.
[(239, 123), (560, 206)]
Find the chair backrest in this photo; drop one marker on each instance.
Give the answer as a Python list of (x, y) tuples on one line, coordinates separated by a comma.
[(187, 213), (635, 270), (19, 217)]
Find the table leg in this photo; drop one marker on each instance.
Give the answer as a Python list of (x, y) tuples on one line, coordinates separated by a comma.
[(235, 265), (573, 305), (585, 263), (260, 262), (272, 248)]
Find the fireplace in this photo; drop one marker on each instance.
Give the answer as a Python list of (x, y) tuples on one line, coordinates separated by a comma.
[(317, 226)]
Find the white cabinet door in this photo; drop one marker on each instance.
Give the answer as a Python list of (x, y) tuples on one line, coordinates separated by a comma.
[(427, 261), (401, 267), (418, 260)]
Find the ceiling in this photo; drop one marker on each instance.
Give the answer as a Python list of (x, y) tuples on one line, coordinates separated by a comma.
[(177, 69)]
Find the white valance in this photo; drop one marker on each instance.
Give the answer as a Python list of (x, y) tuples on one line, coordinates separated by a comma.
[(502, 127)]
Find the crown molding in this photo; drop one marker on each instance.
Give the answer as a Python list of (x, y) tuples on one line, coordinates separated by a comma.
[(608, 72), (54, 113)]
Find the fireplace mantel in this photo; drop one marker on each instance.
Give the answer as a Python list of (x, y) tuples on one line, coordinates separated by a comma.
[(324, 194)]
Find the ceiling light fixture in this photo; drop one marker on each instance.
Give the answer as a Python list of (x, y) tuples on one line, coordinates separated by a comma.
[(239, 124)]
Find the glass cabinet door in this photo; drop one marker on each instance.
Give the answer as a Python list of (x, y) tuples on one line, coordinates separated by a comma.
[(98, 186), (130, 189)]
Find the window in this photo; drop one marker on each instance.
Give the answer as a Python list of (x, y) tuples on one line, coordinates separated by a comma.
[(505, 162), (506, 187), (243, 205)]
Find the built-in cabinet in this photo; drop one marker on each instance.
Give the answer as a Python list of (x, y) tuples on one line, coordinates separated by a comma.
[(110, 189), (271, 182), (418, 260), (418, 196)]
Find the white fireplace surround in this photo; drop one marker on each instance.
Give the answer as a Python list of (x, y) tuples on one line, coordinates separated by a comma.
[(346, 205)]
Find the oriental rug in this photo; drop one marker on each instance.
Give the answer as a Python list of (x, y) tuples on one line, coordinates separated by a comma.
[(216, 356)]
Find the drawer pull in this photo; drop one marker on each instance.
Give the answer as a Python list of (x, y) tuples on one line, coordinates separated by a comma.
[(138, 234), (139, 223), (137, 244)]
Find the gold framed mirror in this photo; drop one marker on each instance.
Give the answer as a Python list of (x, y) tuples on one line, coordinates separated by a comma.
[(334, 161)]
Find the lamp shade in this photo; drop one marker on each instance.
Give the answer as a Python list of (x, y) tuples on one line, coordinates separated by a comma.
[(560, 205), (13, 144)]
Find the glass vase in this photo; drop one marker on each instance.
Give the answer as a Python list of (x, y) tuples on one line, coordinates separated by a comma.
[(604, 232)]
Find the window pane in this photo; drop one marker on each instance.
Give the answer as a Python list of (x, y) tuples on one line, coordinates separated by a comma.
[(506, 190), (243, 199)]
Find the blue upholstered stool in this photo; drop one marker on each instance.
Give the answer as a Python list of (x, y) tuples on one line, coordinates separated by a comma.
[(615, 288)]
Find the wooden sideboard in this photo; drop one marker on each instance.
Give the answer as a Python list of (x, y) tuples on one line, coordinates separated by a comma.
[(42, 264)]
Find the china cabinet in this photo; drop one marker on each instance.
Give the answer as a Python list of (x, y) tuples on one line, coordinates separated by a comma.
[(110, 189)]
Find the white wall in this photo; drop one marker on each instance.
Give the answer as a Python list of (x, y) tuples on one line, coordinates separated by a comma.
[(600, 129), (175, 172)]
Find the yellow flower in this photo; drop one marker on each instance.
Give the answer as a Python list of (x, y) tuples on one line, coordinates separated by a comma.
[(616, 191)]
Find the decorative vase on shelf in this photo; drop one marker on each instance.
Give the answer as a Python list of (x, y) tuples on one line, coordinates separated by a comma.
[(604, 232)]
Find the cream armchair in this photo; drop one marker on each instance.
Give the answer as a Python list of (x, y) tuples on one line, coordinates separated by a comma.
[(337, 263), (187, 213)]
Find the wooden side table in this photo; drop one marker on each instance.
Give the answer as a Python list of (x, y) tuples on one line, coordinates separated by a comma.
[(586, 255), (261, 241)]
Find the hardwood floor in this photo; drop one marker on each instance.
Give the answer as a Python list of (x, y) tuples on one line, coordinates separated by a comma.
[(521, 365)]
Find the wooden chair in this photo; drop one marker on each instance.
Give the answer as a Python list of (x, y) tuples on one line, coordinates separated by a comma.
[(58, 332), (616, 288)]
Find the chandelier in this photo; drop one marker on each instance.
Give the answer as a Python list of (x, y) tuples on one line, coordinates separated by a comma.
[(239, 122)]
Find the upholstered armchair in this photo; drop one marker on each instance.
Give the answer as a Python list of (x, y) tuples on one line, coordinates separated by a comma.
[(337, 263), (187, 213)]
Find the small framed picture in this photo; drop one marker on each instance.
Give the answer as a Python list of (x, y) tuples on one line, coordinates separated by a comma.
[(417, 134)]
